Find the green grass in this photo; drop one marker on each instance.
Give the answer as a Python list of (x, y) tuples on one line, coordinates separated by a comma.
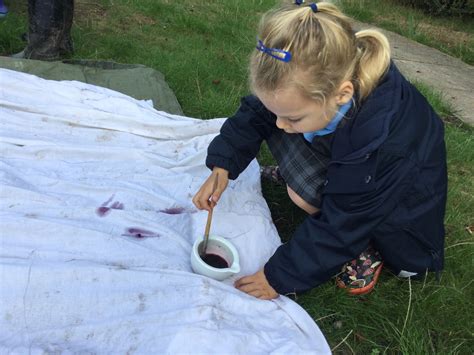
[(451, 35), (202, 47)]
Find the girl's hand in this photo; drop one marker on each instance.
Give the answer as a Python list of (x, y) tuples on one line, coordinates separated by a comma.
[(257, 286), (206, 198)]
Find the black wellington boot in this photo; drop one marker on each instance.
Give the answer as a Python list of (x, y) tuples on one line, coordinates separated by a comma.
[(49, 33)]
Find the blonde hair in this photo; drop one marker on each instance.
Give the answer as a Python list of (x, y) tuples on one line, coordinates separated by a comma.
[(325, 52)]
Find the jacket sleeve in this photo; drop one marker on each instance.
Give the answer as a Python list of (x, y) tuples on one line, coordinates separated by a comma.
[(350, 213), (241, 136)]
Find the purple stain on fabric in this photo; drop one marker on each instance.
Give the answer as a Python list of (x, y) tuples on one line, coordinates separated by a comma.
[(108, 201), (173, 210), (104, 210), (139, 233), (117, 205)]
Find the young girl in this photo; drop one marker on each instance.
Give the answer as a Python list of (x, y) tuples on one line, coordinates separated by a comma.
[(359, 148)]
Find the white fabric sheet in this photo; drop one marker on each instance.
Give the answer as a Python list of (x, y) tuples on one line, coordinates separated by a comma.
[(97, 226)]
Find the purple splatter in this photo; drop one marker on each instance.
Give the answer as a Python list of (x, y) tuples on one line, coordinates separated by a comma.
[(139, 233), (104, 210), (173, 210), (117, 205)]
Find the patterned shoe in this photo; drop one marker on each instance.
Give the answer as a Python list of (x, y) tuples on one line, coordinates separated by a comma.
[(360, 275), (272, 173), (3, 10)]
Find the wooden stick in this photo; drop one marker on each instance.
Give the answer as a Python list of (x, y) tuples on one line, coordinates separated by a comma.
[(209, 220), (208, 224)]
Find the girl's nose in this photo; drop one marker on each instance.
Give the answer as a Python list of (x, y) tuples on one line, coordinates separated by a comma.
[(281, 123)]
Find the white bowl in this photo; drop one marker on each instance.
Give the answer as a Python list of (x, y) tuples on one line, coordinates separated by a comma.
[(220, 247)]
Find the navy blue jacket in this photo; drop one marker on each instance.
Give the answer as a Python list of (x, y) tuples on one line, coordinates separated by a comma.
[(386, 185)]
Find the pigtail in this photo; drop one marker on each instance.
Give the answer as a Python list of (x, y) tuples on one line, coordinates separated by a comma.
[(373, 52), (312, 46)]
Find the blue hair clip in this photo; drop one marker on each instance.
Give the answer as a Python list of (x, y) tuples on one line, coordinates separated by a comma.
[(279, 54), (299, 2)]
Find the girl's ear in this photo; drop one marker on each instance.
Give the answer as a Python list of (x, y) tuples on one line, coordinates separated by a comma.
[(345, 93)]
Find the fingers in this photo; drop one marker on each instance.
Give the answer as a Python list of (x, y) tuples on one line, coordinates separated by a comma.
[(243, 281), (215, 197), (249, 288), (221, 184), (256, 294), (250, 285), (200, 201), (258, 291), (257, 286), (210, 192), (252, 289)]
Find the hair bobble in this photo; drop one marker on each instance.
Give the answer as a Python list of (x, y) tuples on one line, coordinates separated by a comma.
[(313, 5)]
